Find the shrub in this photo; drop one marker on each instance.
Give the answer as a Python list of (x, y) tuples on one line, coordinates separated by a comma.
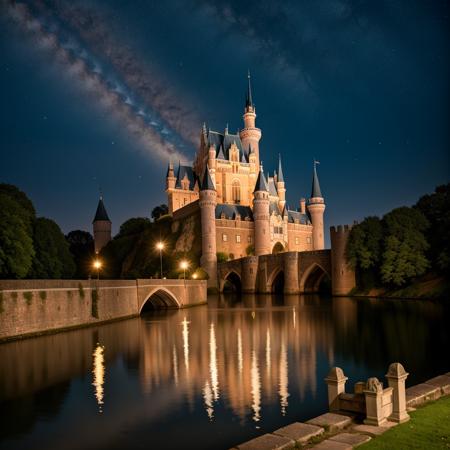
[(250, 250), (222, 257), (94, 305), (80, 290), (43, 295), (28, 296)]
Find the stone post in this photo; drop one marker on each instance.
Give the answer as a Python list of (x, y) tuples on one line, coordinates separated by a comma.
[(374, 402), (396, 377), (336, 386)]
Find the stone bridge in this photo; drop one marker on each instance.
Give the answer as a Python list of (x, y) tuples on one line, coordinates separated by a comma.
[(30, 307), (288, 272), (292, 272)]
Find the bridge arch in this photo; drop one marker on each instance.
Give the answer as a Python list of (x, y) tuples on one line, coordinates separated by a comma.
[(275, 282), (312, 278), (231, 280), (278, 248), (159, 298)]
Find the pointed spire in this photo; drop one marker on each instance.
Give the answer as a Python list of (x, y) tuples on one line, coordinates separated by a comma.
[(101, 214), (243, 158), (248, 97), (315, 191), (226, 129), (280, 170), (207, 184), (220, 153), (261, 183)]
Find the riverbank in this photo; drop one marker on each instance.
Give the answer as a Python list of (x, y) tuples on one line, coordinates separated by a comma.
[(340, 431), (428, 428), (427, 287)]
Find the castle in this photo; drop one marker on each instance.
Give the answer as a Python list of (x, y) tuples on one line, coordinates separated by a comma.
[(242, 210)]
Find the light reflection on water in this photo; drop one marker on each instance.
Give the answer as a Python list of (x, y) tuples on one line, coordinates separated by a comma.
[(214, 375)]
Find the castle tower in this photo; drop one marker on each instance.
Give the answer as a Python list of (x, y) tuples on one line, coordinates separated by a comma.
[(261, 215), (250, 135), (207, 203), (280, 186), (102, 227), (316, 208), (342, 275)]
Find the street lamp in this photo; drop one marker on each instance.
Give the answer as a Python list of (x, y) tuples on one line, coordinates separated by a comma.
[(194, 276), (184, 265), (160, 247), (97, 266)]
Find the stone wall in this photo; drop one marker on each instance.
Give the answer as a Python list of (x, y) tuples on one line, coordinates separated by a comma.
[(39, 306)]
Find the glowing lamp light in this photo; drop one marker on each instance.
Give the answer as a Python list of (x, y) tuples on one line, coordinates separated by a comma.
[(97, 264), (184, 264), (160, 246), (194, 276)]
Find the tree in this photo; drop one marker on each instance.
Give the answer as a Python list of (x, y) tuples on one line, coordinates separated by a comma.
[(364, 246), (81, 245), (16, 243), (53, 258), (436, 208), (159, 211), (134, 225), (405, 246), (27, 211)]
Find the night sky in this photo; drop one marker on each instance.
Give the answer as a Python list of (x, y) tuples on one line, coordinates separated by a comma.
[(102, 94)]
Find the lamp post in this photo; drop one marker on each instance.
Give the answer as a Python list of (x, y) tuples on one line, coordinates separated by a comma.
[(184, 265), (160, 247), (98, 266)]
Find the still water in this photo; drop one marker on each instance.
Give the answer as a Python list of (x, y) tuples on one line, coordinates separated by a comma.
[(208, 377)]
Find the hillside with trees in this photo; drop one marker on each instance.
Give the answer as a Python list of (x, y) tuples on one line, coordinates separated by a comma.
[(407, 251)]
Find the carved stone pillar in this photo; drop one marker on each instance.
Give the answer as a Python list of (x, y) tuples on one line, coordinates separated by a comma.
[(336, 385), (396, 377)]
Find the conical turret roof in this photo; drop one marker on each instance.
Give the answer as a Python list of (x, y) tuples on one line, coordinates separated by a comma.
[(315, 191), (248, 97), (280, 170), (207, 183), (101, 213), (261, 183)]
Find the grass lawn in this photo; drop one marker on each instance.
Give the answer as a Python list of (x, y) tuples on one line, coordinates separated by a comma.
[(428, 428)]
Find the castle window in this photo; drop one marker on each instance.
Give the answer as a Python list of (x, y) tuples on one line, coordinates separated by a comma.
[(236, 191), (278, 230), (238, 238), (297, 240), (249, 239), (224, 237), (308, 240)]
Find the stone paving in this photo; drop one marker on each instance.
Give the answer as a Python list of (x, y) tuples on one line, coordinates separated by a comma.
[(331, 421), (340, 432)]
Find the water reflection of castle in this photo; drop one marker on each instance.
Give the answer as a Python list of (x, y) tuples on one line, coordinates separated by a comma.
[(243, 356), (239, 355)]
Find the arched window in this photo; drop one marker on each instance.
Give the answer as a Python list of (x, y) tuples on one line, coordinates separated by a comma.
[(236, 191)]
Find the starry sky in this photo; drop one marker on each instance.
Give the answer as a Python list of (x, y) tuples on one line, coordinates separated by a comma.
[(100, 95)]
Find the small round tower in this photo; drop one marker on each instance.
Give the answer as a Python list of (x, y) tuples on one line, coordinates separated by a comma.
[(207, 203), (316, 209), (261, 215), (101, 227), (281, 189), (342, 275)]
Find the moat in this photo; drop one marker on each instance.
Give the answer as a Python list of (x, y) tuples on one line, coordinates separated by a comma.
[(209, 376)]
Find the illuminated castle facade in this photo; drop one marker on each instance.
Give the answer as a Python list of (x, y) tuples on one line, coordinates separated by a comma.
[(243, 211)]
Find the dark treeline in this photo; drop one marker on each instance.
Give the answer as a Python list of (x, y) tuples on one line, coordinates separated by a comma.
[(404, 244), (36, 248)]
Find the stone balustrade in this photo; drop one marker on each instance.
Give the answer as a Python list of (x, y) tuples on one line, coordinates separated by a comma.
[(378, 404)]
